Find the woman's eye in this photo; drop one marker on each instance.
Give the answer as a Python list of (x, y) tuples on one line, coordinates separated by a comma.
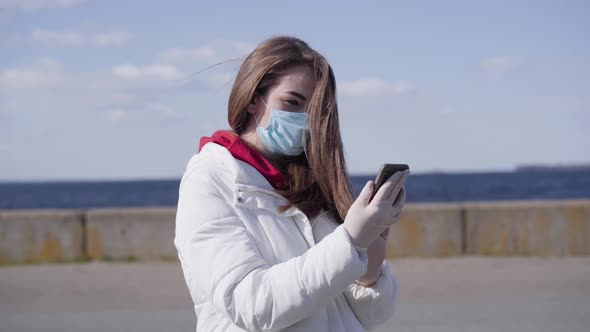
[(292, 102)]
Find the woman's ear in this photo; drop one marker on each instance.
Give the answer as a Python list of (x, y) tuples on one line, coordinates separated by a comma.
[(252, 106)]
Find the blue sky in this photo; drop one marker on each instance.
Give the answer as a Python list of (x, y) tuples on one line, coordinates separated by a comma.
[(105, 90)]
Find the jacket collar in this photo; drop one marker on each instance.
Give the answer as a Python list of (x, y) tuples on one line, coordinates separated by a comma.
[(242, 172), (250, 187), (241, 150)]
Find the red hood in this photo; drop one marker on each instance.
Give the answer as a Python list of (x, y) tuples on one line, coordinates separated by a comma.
[(241, 151)]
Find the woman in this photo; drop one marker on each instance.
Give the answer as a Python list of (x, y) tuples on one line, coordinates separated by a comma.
[(267, 231)]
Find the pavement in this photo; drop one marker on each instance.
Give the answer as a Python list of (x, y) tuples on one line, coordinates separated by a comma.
[(468, 293)]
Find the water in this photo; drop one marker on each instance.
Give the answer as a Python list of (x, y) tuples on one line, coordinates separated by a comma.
[(439, 187)]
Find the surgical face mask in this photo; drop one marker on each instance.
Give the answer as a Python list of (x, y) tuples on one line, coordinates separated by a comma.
[(284, 133)]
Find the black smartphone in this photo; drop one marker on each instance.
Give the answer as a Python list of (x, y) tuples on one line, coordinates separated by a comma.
[(385, 171)]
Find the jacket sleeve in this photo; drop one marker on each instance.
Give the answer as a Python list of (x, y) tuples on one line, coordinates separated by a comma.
[(376, 304), (225, 266)]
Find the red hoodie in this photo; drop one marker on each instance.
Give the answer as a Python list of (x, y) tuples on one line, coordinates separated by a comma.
[(241, 151)]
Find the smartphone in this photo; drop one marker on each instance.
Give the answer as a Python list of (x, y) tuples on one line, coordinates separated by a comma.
[(385, 171)]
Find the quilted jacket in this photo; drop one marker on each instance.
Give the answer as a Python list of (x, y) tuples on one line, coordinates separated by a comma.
[(250, 268)]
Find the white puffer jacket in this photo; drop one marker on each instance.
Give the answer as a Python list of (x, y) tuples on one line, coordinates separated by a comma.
[(248, 267)]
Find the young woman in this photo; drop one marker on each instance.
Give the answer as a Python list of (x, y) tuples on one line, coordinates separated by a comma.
[(268, 233)]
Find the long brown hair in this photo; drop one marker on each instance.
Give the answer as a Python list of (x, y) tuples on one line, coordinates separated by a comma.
[(319, 178)]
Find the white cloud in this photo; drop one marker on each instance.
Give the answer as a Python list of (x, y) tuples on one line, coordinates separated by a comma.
[(216, 52), (117, 115), (159, 71), (45, 86), (502, 63), (74, 38), (204, 53), (141, 112), (152, 93), (111, 39), (47, 73), (122, 98), (57, 38), (163, 110), (220, 80), (446, 110), (29, 5), (373, 86)]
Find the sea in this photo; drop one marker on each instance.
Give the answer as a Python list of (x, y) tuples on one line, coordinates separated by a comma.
[(420, 188)]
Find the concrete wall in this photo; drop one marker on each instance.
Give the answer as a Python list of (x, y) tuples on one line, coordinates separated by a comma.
[(528, 228), (539, 228), (427, 230), (133, 233), (34, 236)]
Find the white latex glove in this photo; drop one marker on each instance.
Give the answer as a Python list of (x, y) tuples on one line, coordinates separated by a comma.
[(365, 220), (376, 252)]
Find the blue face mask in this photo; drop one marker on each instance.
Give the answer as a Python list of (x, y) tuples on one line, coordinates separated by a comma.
[(284, 133)]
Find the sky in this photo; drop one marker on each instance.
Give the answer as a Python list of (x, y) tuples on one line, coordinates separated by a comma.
[(117, 90)]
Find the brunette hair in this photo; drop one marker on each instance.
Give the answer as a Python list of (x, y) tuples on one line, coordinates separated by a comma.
[(318, 179)]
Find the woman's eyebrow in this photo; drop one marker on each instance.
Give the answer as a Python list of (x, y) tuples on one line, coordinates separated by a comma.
[(297, 94)]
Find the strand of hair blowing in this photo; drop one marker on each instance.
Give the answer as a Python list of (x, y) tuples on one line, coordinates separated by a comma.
[(328, 180), (337, 184)]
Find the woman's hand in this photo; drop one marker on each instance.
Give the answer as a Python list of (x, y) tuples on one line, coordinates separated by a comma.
[(365, 220), (378, 250)]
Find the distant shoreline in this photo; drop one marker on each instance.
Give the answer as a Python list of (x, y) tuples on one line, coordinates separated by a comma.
[(528, 168), (517, 169)]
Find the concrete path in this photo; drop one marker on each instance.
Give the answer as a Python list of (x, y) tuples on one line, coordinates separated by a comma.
[(448, 294)]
